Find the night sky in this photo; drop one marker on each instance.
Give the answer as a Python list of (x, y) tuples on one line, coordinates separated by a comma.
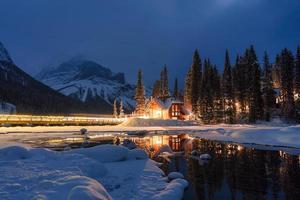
[(125, 35)]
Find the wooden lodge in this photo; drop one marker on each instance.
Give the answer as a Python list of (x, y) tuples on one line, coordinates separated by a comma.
[(166, 109)]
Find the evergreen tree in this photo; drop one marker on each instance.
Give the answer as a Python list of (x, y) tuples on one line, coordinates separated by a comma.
[(205, 103), (115, 109), (122, 114), (267, 89), (255, 95), (228, 91), (164, 88), (175, 92), (195, 81), (140, 95), (297, 82), (156, 90), (286, 72), (297, 72), (217, 97), (187, 90), (240, 81)]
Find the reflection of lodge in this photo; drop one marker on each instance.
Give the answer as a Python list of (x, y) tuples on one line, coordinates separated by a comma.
[(156, 141)]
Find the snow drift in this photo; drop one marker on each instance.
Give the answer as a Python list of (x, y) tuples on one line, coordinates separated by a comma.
[(103, 172)]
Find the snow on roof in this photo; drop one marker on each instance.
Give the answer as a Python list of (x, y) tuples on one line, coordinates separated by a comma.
[(167, 103)]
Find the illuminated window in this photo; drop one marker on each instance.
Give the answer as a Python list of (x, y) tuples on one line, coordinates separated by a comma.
[(175, 110)]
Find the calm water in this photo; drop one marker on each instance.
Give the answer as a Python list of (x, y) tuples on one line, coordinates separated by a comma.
[(236, 172)]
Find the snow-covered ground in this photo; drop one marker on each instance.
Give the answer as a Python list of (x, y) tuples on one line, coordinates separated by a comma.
[(99, 173)]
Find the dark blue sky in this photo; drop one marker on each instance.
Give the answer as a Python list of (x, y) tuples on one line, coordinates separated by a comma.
[(127, 34)]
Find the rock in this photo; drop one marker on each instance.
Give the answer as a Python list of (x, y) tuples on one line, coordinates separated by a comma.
[(138, 154), (129, 144), (205, 157), (175, 175)]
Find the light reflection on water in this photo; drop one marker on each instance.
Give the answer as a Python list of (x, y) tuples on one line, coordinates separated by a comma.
[(237, 172)]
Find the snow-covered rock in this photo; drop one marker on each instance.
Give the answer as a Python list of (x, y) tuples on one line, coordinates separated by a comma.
[(88, 189), (138, 154), (104, 153), (205, 157), (175, 175), (173, 191), (14, 153), (129, 144)]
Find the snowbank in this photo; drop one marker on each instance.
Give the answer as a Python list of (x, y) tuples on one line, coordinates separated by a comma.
[(139, 122), (104, 153), (285, 136), (98, 173)]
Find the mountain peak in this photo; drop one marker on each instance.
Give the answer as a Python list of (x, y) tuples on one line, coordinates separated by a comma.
[(4, 56)]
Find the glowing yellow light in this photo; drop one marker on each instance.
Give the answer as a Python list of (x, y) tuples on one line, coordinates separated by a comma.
[(239, 148)]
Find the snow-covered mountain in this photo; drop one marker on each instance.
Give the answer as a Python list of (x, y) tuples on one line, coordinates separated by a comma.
[(19, 91), (89, 82)]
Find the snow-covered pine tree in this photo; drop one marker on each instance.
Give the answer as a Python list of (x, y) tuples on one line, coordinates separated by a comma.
[(286, 72), (156, 89), (115, 109), (297, 72), (175, 91), (218, 97), (165, 91), (196, 77), (255, 95), (122, 114), (267, 89), (297, 83), (187, 97), (205, 104), (140, 95), (240, 83), (228, 91)]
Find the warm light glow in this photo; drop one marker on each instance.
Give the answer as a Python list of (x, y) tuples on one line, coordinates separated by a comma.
[(239, 148)]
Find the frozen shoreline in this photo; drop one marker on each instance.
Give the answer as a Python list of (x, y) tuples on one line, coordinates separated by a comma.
[(288, 136)]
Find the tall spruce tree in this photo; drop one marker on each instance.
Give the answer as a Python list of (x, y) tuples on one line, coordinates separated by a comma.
[(267, 89), (241, 82), (195, 81), (187, 97), (175, 91), (297, 72), (287, 75), (156, 89), (297, 83), (228, 91), (217, 96), (255, 95), (205, 104), (164, 93), (140, 95)]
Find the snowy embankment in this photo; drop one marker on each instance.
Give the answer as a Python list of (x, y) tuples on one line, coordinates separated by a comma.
[(100, 173), (288, 136)]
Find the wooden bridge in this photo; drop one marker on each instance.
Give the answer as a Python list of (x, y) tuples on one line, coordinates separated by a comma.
[(40, 120)]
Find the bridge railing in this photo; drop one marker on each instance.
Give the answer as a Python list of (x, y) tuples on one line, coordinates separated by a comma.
[(57, 120)]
